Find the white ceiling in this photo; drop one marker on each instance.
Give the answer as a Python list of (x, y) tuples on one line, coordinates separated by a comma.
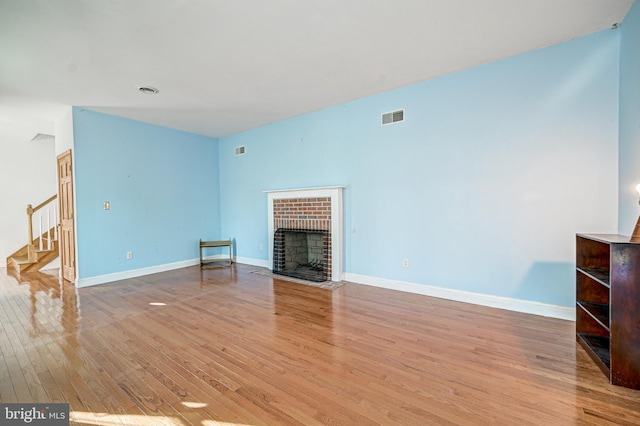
[(224, 66)]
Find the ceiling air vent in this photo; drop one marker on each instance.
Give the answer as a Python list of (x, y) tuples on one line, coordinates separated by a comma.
[(392, 117), (240, 150), (148, 90)]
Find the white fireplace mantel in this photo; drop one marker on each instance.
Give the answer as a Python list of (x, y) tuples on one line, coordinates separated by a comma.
[(337, 225)]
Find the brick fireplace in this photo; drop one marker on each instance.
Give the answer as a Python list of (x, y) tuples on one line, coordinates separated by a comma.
[(305, 232)]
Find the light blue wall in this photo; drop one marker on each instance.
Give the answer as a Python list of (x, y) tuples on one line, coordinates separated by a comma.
[(162, 185), (629, 120), (482, 188)]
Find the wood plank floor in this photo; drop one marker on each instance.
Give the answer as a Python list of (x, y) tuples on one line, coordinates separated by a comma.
[(228, 346)]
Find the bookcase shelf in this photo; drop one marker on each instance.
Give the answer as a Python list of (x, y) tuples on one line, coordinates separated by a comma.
[(599, 312), (607, 312), (600, 275)]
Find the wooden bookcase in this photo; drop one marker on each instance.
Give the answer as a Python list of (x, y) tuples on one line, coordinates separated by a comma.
[(608, 305)]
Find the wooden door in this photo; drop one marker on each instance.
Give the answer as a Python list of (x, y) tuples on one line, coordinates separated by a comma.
[(67, 240)]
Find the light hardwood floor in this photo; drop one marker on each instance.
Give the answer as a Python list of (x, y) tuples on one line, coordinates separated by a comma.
[(228, 346)]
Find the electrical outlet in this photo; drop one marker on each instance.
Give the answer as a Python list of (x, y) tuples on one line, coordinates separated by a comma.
[(106, 205), (261, 247), (405, 263), (129, 255)]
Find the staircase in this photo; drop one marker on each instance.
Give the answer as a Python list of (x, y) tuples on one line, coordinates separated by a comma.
[(40, 251)]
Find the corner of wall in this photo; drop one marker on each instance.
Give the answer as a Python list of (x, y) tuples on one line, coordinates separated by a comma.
[(628, 112), (64, 131)]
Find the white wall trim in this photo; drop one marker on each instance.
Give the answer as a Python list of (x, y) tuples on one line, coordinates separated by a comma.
[(253, 262), (518, 305), (134, 273)]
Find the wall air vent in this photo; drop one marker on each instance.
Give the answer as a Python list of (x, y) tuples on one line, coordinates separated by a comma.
[(240, 150), (392, 117)]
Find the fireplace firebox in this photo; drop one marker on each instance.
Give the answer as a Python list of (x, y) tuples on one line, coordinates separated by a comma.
[(302, 253)]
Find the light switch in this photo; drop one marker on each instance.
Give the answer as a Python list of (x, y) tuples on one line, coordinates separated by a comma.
[(107, 205)]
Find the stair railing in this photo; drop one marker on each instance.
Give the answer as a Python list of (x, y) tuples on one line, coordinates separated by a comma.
[(51, 230)]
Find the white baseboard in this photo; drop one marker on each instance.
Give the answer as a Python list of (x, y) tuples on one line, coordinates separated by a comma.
[(518, 305), (253, 262), (103, 279), (134, 273)]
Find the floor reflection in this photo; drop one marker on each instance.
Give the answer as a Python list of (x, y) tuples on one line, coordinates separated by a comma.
[(310, 307), (213, 273), (54, 310)]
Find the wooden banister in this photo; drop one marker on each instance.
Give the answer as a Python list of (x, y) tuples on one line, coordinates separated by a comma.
[(32, 256), (44, 203)]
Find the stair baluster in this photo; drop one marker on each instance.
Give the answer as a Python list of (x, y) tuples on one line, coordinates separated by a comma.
[(33, 257)]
